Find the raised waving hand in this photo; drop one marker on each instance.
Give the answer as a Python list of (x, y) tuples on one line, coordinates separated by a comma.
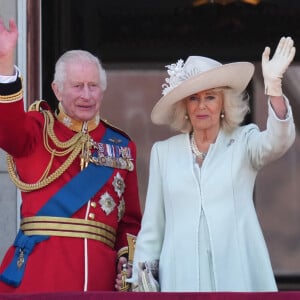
[(8, 42), (274, 68)]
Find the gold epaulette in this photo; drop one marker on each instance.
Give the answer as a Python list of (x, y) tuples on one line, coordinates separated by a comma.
[(39, 105)]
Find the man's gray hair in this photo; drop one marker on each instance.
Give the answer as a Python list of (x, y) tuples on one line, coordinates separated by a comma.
[(77, 55)]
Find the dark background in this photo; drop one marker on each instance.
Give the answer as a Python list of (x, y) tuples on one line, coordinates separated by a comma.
[(152, 33)]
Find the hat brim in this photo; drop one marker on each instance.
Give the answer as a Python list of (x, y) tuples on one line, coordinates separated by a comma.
[(233, 75)]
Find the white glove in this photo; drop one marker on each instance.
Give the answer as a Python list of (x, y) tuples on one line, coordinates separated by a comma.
[(274, 69)]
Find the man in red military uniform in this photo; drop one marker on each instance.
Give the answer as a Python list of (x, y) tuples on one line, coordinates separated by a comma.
[(77, 175)]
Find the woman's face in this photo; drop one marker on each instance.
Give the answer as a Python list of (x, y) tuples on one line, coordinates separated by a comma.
[(204, 109)]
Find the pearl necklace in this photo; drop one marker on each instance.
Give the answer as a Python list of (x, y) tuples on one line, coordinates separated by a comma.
[(200, 156)]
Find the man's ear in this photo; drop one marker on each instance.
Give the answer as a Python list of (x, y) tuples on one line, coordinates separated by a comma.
[(56, 91)]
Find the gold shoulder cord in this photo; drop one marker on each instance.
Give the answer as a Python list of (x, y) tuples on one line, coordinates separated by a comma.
[(72, 147)]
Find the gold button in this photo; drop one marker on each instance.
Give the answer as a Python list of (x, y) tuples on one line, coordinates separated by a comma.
[(92, 216), (93, 204)]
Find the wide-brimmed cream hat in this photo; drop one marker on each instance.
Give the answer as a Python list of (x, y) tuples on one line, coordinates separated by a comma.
[(197, 74)]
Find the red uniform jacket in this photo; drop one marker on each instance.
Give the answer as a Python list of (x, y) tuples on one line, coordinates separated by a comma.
[(63, 263)]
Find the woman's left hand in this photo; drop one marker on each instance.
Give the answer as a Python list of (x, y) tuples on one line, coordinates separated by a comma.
[(273, 69)]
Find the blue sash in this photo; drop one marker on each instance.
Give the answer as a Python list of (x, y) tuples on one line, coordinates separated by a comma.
[(80, 189)]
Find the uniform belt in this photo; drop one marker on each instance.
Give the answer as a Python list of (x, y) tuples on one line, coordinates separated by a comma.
[(69, 227)]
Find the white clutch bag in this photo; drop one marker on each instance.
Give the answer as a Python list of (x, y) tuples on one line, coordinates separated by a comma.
[(147, 277)]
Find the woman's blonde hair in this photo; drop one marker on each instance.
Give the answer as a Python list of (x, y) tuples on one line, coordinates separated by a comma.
[(235, 108)]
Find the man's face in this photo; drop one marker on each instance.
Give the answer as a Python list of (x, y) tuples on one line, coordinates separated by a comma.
[(81, 93)]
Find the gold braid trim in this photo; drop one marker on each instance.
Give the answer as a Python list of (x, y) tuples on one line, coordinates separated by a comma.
[(73, 147), (12, 98)]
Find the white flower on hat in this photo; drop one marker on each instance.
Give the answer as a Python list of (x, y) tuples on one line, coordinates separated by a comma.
[(181, 71), (177, 75)]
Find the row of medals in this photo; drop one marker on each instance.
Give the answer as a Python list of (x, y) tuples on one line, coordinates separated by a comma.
[(113, 156)]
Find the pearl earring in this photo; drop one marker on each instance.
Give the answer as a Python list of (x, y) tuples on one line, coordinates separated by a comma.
[(222, 115), (186, 117)]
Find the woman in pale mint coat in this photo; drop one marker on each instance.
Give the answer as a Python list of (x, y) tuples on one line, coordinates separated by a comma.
[(199, 221)]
